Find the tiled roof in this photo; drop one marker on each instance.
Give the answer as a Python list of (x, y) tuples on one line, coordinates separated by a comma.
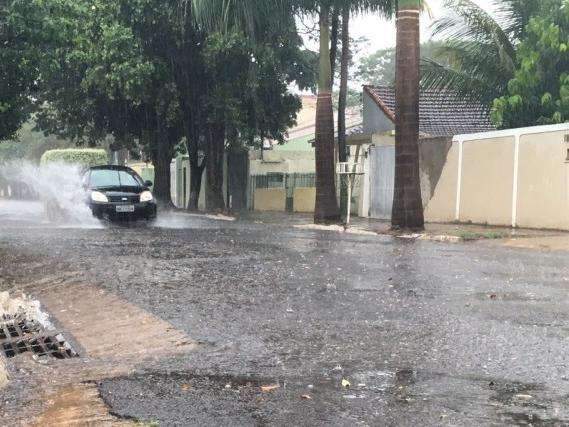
[(441, 113)]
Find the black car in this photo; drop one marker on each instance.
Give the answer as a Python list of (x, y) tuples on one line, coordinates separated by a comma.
[(118, 192)]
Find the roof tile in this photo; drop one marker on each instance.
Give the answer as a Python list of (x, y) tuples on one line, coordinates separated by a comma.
[(442, 113)]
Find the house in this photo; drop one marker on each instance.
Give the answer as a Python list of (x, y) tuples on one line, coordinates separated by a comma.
[(282, 177), (442, 115)]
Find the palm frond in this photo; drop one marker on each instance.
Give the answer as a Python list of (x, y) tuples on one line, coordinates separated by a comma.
[(478, 55), (251, 16), (515, 14), (468, 21), (436, 76)]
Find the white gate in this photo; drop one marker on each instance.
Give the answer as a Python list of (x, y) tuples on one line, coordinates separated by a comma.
[(382, 181)]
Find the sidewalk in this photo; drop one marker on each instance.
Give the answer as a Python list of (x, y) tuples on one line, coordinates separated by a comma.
[(433, 231)]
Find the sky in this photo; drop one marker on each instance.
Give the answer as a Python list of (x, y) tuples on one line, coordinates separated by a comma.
[(381, 33)]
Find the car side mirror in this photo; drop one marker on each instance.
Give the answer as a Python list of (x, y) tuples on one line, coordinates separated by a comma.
[(148, 183)]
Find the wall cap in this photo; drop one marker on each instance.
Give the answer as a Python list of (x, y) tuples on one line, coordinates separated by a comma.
[(512, 132)]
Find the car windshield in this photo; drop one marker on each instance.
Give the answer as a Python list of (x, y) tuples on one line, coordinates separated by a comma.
[(114, 178)]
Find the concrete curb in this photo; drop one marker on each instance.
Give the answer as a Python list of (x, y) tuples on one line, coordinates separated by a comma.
[(3, 373)]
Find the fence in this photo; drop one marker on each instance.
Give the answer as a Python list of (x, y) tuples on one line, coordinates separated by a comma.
[(279, 180)]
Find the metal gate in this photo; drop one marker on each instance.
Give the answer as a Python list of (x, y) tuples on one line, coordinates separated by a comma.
[(382, 181)]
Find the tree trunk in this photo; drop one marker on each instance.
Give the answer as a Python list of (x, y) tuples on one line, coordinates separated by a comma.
[(407, 204), (196, 169), (345, 62), (162, 158), (214, 169), (334, 42), (326, 208), (196, 174)]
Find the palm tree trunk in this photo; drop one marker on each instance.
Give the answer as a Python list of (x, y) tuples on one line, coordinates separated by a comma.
[(345, 62), (407, 204), (326, 208), (334, 41)]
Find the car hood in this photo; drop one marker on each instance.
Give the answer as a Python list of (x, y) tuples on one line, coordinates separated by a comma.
[(120, 190)]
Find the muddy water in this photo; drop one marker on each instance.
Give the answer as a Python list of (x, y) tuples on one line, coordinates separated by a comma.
[(412, 326)]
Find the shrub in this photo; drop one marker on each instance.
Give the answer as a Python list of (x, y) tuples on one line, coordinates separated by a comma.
[(78, 156)]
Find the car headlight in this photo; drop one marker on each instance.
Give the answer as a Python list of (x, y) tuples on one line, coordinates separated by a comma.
[(146, 196), (97, 196)]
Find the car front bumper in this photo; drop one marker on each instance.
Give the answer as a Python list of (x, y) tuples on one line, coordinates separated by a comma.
[(142, 210)]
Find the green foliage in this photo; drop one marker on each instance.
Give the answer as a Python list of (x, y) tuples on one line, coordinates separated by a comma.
[(539, 91), (18, 61), (84, 157), (478, 55)]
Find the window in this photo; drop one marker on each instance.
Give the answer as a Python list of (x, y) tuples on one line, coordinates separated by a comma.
[(114, 178)]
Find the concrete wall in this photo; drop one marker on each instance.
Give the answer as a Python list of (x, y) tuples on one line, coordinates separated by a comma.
[(440, 201), (304, 199), (375, 121), (179, 168), (433, 154), (281, 162), (270, 199), (487, 181), (543, 190), (518, 177)]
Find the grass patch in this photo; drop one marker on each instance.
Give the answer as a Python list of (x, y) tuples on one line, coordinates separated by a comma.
[(470, 235)]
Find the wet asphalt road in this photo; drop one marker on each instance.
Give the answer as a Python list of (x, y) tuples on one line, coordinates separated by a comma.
[(426, 333)]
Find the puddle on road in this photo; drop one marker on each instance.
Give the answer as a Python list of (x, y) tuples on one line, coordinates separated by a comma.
[(197, 399), (458, 399)]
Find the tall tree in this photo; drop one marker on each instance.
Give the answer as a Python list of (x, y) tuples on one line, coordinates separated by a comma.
[(23, 34), (258, 51), (106, 78), (407, 210), (342, 102), (334, 38), (326, 208)]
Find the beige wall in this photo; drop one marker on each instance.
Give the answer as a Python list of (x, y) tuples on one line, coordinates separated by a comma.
[(488, 173), (542, 185), (270, 199), (304, 199), (487, 181), (442, 205), (281, 162)]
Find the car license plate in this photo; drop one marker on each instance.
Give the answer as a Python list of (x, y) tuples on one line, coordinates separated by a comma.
[(125, 208)]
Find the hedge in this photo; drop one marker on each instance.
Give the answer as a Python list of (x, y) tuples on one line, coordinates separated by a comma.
[(78, 156)]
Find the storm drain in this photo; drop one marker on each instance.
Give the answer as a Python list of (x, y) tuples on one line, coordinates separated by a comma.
[(17, 328), (19, 336)]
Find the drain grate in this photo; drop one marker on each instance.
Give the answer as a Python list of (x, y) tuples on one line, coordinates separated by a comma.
[(19, 335), (54, 346), (17, 328)]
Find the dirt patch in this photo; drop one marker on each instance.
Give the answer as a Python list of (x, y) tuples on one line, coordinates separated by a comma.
[(78, 405)]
